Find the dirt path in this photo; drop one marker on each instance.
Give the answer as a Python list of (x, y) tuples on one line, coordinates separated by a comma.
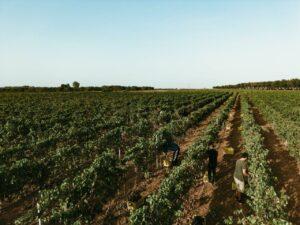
[(284, 167), (115, 211), (11, 211), (216, 202)]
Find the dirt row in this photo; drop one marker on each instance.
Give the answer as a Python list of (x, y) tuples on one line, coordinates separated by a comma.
[(115, 211), (283, 166), (214, 202)]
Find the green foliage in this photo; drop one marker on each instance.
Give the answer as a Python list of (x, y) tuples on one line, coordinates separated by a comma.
[(140, 154), (75, 196), (75, 84), (267, 85), (282, 110)]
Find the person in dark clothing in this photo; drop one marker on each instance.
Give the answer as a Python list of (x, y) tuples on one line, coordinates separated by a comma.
[(212, 154), (171, 146)]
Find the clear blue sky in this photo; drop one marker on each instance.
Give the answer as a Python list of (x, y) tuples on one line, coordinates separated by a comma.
[(161, 43)]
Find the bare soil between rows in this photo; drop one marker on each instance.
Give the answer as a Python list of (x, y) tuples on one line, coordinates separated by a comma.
[(284, 167), (115, 212), (9, 212)]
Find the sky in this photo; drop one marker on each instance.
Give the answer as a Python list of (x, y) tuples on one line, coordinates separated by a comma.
[(159, 43)]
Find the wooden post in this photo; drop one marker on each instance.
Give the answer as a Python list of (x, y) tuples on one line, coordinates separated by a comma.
[(119, 153), (39, 213), (135, 175), (159, 162)]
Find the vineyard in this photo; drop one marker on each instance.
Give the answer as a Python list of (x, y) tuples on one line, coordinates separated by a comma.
[(96, 158)]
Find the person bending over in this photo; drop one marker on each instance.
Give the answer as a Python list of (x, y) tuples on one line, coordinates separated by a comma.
[(172, 146)]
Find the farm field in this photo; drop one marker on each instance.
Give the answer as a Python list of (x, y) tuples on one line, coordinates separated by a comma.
[(149, 112), (96, 158)]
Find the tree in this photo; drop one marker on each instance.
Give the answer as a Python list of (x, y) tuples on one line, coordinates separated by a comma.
[(65, 87), (76, 84), (278, 84)]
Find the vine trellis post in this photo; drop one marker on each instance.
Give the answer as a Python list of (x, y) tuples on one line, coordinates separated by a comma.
[(119, 153), (39, 213)]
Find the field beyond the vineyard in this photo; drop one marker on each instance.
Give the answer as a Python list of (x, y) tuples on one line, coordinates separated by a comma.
[(97, 157)]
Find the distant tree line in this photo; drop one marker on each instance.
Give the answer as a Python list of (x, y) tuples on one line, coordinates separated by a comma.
[(291, 84), (75, 87)]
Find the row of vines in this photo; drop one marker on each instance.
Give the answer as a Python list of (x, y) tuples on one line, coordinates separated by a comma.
[(71, 151), (283, 111), (162, 207), (266, 205), (83, 195)]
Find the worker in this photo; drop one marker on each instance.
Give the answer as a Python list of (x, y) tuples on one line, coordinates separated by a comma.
[(212, 155), (240, 173), (172, 146)]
